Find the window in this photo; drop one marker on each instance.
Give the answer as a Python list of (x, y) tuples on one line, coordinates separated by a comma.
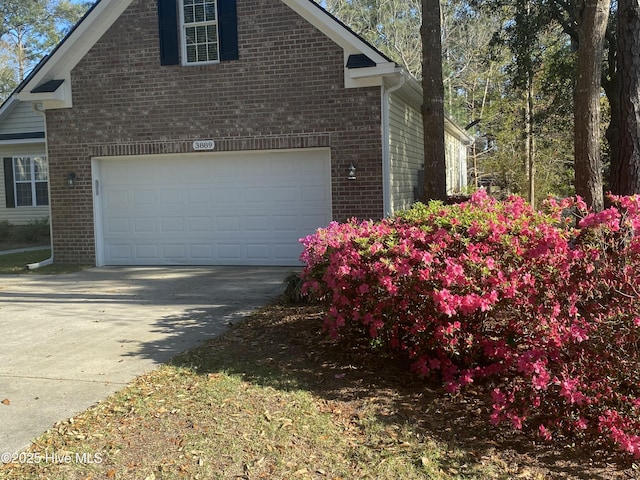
[(199, 31), (30, 181)]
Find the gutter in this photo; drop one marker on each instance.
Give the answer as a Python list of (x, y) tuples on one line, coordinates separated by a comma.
[(48, 261), (386, 149)]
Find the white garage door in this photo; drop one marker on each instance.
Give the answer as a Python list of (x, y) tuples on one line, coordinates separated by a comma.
[(246, 208)]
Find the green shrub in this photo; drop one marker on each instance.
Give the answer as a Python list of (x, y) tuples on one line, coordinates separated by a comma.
[(542, 315), (6, 230), (293, 289), (35, 231)]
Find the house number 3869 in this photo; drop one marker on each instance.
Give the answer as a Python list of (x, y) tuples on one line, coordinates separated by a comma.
[(204, 145)]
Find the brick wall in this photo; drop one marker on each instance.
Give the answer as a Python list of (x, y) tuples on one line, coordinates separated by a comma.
[(285, 91)]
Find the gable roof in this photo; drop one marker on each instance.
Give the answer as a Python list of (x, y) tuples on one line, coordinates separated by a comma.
[(50, 81)]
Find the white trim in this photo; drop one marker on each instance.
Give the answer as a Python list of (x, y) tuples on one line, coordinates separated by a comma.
[(386, 68), (24, 141), (183, 36), (98, 236), (9, 104), (452, 128), (32, 181)]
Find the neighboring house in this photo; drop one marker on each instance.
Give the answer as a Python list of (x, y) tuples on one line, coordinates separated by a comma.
[(220, 132), (24, 189)]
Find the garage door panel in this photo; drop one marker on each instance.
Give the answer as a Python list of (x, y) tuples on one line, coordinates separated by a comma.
[(284, 224), (146, 252), (174, 251), (145, 225), (228, 224), (197, 197), (116, 198), (256, 223), (228, 209), (171, 198), (118, 225), (229, 252), (172, 225), (202, 252), (199, 224)]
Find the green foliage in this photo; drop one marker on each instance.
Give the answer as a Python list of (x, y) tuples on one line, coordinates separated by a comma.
[(28, 30), (35, 231), (5, 230), (293, 289)]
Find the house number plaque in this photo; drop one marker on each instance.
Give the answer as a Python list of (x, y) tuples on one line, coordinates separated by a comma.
[(204, 145)]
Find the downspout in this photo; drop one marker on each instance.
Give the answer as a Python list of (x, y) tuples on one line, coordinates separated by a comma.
[(48, 261), (386, 148)]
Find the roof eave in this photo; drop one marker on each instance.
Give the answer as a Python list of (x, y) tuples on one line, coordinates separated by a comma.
[(59, 64)]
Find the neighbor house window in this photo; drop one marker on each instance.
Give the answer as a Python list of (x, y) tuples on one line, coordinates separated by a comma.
[(200, 42), (30, 181)]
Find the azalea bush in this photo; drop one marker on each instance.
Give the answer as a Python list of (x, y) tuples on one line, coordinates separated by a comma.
[(541, 308)]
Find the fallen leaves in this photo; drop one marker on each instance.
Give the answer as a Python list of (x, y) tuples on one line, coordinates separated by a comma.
[(6, 401)]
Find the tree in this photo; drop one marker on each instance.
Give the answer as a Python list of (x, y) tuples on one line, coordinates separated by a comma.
[(435, 186), (592, 21), (393, 26), (625, 174), (30, 29)]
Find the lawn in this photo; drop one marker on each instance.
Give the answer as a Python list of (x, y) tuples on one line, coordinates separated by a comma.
[(17, 263), (273, 398)]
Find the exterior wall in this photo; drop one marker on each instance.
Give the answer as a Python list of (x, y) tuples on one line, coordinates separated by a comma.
[(20, 215), (22, 119), (406, 149), (285, 91), (456, 158)]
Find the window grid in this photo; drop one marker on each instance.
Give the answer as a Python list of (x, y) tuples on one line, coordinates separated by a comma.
[(200, 31), (31, 177)]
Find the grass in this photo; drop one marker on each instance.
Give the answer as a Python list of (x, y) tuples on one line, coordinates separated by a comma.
[(17, 263), (272, 398)]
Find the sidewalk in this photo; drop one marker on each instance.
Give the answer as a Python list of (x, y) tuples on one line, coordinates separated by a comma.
[(25, 249)]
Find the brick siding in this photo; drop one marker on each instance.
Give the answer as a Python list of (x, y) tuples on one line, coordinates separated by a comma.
[(285, 91)]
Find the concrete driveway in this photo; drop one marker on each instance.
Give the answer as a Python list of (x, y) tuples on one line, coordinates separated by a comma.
[(69, 341)]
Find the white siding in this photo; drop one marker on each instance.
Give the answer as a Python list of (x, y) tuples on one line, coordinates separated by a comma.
[(406, 147), (456, 158), (22, 119), (19, 215)]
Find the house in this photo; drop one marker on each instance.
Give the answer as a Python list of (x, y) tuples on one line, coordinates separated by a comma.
[(199, 132), (24, 175)]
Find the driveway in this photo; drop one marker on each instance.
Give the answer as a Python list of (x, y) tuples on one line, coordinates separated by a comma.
[(69, 341)]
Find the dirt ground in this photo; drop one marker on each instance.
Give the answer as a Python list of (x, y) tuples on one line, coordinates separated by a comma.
[(291, 337)]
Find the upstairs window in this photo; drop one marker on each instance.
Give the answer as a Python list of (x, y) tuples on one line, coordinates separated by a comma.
[(200, 42)]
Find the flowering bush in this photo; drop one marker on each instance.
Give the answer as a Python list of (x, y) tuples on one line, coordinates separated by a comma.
[(544, 311)]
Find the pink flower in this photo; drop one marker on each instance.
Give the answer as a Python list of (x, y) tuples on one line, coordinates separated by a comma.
[(544, 433)]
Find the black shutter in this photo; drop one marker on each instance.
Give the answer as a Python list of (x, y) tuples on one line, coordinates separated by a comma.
[(8, 182), (168, 30), (228, 30)]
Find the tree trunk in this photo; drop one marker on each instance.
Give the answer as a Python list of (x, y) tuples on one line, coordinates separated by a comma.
[(530, 151), (592, 23), (626, 178), (435, 185)]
